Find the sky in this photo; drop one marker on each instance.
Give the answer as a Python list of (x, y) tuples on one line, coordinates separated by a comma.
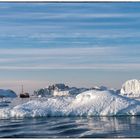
[(79, 44)]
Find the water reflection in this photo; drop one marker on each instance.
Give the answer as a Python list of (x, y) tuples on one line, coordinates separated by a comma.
[(75, 127), (124, 126)]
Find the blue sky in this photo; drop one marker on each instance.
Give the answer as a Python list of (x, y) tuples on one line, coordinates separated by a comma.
[(80, 44)]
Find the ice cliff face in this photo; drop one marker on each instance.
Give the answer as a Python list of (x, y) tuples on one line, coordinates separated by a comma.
[(131, 88)]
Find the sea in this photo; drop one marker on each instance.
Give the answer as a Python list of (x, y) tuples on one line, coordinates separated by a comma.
[(71, 127)]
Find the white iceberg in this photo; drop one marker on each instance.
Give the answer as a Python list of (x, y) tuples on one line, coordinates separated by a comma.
[(89, 103), (61, 93), (104, 103), (58, 90), (131, 88), (73, 91)]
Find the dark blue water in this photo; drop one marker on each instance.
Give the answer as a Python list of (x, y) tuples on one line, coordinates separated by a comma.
[(76, 127)]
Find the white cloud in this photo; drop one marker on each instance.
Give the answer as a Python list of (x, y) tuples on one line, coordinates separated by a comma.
[(105, 58), (62, 15), (57, 51), (50, 58), (126, 67)]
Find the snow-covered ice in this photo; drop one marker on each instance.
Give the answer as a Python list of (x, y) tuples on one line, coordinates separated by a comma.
[(89, 103), (131, 88), (78, 102)]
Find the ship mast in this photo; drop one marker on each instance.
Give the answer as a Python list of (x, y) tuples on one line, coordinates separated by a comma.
[(21, 89)]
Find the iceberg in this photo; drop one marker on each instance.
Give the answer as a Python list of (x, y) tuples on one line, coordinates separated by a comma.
[(131, 88), (62, 100), (104, 103), (7, 93), (88, 103), (73, 91), (58, 90), (60, 93)]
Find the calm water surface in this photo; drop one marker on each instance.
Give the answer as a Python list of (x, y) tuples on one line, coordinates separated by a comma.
[(74, 127)]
